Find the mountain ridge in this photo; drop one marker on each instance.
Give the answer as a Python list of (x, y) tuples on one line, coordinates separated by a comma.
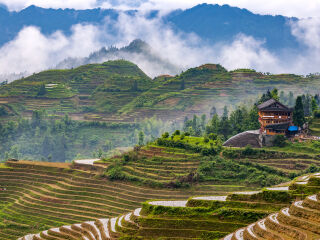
[(212, 23)]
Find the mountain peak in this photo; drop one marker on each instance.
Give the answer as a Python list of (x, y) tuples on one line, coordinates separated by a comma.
[(137, 45)]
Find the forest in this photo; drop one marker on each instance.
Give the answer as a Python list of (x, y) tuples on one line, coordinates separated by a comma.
[(46, 138)]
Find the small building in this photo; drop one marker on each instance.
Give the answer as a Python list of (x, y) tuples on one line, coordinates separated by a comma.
[(274, 117)]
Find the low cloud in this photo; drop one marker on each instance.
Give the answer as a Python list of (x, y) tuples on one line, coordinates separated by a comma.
[(32, 51)]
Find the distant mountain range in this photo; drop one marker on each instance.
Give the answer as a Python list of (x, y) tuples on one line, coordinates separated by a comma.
[(212, 23)]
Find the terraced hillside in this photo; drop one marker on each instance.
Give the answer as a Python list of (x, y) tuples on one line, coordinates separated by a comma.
[(163, 166), (210, 217), (315, 127), (119, 91), (39, 196), (295, 157), (299, 221)]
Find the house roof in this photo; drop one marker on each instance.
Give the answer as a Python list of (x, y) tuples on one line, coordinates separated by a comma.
[(245, 138), (279, 126), (273, 105)]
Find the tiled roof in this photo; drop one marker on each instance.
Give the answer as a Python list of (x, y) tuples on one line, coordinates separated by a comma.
[(268, 106)]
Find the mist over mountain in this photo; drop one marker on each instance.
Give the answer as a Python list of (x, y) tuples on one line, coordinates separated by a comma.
[(137, 51), (35, 39), (213, 23)]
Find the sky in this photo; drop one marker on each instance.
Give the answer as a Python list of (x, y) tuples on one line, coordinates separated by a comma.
[(31, 51), (297, 8)]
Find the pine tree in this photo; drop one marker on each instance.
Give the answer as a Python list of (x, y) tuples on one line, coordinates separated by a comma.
[(291, 99), (182, 87), (141, 138), (314, 105), (224, 123), (42, 90), (298, 113)]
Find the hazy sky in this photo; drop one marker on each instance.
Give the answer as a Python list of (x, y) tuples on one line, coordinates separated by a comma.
[(298, 8)]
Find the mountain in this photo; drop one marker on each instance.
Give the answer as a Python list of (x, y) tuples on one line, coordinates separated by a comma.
[(216, 23), (137, 51), (213, 23), (119, 91)]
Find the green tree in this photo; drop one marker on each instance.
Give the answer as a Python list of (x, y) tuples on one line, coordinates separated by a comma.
[(224, 123), (314, 105), (274, 94), (3, 111), (213, 125), (182, 86), (135, 87), (141, 138), (291, 99), (42, 90), (298, 113)]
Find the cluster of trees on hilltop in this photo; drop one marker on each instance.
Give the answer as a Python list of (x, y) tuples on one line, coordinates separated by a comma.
[(239, 120), (245, 118)]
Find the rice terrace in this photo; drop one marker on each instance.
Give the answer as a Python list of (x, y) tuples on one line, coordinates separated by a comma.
[(159, 120)]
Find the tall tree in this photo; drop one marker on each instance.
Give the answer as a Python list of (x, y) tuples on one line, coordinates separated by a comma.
[(274, 94), (298, 113), (135, 87), (183, 85), (291, 99), (141, 138), (314, 105), (42, 90), (224, 123)]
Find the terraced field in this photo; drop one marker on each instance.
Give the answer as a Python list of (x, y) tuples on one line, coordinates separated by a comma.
[(315, 127), (161, 164), (210, 218), (299, 221), (295, 160), (174, 167), (41, 196)]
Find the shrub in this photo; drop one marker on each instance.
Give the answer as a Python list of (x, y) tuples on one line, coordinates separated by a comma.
[(213, 136), (248, 151), (165, 135), (279, 141), (206, 140), (176, 133), (115, 172), (3, 111), (316, 114)]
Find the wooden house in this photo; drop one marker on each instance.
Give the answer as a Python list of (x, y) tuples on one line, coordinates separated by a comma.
[(274, 117)]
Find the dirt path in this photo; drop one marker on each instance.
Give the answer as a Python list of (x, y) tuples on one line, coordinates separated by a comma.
[(86, 161)]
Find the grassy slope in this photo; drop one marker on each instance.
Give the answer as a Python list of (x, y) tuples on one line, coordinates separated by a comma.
[(107, 88), (40, 196)]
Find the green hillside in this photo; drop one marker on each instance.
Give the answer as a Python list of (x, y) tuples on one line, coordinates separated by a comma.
[(120, 91)]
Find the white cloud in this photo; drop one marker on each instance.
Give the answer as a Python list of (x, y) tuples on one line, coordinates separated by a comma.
[(31, 51), (246, 52)]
